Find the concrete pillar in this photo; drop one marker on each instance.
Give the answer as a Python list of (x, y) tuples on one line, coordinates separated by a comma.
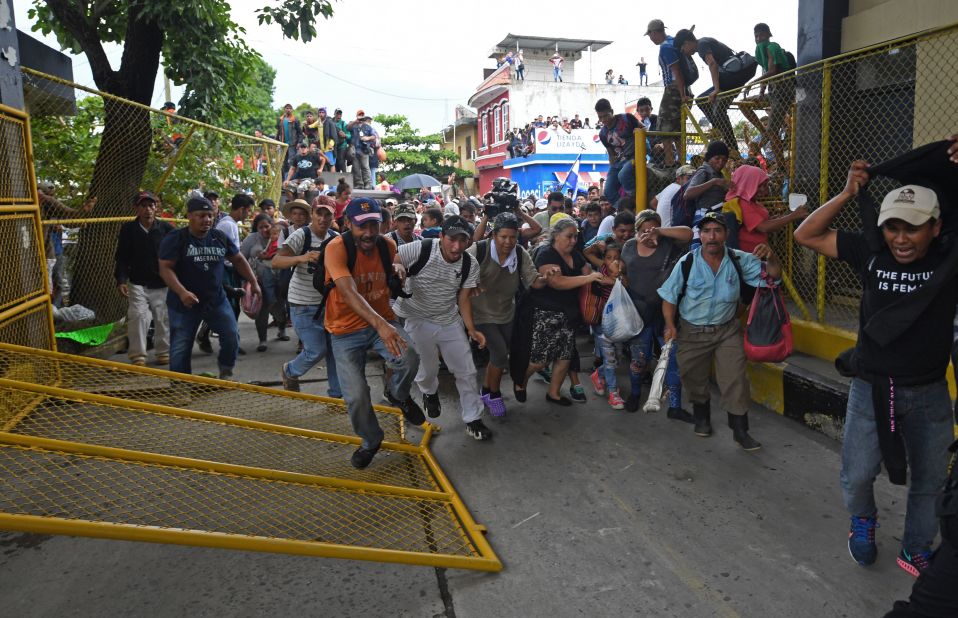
[(11, 79), (819, 29)]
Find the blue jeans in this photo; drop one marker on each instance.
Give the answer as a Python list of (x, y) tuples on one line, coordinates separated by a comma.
[(621, 175), (316, 346), (556, 74), (925, 416), (183, 325), (640, 347), (350, 351)]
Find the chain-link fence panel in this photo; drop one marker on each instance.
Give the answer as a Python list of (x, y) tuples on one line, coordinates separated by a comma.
[(92, 156), (808, 126)]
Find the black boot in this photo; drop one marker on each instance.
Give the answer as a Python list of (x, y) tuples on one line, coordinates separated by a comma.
[(702, 413), (739, 426)]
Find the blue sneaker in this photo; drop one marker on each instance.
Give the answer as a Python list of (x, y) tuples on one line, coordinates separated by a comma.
[(861, 540), (914, 563)]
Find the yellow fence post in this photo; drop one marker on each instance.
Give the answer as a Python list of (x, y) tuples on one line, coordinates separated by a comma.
[(680, 154), (823, 178), (641, 173)]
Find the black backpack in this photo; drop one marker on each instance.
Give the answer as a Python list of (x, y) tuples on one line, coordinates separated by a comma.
[(425, 250), (382, 247), (746, 291), (682, 211), (319, 269)]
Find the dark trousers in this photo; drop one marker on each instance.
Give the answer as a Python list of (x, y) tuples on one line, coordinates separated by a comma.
[(935, 593)]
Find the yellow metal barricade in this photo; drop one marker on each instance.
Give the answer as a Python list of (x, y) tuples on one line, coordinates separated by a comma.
[(96, 448)]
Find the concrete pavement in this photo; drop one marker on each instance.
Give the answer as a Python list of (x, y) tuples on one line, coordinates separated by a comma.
[(593, 511)]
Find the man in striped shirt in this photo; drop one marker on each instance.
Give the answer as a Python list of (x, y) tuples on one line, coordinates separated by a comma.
[(304, 299), (445, 280)]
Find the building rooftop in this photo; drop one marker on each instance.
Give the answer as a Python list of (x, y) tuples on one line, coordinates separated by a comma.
[(551, 43)]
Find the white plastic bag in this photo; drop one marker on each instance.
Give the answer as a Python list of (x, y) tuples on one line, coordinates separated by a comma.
[(654, 402), (620, 319)]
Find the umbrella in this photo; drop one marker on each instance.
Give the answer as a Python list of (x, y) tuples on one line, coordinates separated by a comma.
[(417, 181)]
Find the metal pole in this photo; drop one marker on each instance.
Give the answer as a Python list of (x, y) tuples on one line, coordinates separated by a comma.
[(823, 179), (641, 173)]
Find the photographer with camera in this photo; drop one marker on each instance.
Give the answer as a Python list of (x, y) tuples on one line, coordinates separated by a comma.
[(504, 197), (302, 250)]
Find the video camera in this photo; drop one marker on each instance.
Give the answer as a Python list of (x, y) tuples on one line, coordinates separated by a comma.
[(504, 197)]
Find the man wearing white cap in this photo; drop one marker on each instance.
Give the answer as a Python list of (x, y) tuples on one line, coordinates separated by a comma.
[(899, 411)]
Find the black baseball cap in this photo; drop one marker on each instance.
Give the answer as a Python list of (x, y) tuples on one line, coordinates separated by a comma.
[(199, 204), (144, 195), (712, 217), (455, 225)]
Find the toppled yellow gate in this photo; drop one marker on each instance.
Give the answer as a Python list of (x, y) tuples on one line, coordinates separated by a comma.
[(96, 448)]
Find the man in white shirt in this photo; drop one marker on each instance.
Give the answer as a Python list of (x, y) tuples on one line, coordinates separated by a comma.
[(302, 250), (445, 280), (662, 203)]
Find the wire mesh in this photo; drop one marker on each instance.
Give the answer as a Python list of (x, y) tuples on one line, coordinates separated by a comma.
[(873, 105), (28, 328), (89, 144), (15, 174), (116, 426), (154, 386), (139, 453), (24, 278), (40, 482)]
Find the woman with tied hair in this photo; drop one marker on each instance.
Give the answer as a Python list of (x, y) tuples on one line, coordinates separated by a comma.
[(503, 265), (258, 248), (556, 306)]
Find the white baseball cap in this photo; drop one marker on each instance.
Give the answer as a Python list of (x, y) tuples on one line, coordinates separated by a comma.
[(912, 204)]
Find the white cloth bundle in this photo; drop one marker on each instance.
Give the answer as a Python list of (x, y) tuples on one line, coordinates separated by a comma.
[(654, 402)]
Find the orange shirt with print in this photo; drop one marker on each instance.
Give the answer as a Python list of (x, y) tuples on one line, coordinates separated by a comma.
[(370, 282)]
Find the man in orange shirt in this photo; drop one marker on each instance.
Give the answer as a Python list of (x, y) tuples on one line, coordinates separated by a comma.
[(359, 318)]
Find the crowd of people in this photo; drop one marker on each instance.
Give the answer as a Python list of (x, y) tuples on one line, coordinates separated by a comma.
[(728, 71), (427, 281), (320, 142)]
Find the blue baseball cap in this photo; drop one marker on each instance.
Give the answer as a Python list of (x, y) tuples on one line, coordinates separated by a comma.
[(362, 210)]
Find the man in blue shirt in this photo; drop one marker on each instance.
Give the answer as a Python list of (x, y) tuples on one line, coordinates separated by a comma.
[(676, 90), (191, 265), (707, 306)]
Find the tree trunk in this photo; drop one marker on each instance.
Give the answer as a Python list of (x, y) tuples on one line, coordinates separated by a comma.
[(123, 153)]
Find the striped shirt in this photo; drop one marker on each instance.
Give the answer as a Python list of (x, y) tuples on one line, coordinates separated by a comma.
[(301, 290), (435, 289)]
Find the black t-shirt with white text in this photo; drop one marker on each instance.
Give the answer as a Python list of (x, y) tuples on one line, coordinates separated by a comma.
[(922, 352), (307, 166)]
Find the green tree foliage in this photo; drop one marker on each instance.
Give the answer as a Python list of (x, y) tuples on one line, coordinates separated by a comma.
[(411, 153), (203, 49)]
